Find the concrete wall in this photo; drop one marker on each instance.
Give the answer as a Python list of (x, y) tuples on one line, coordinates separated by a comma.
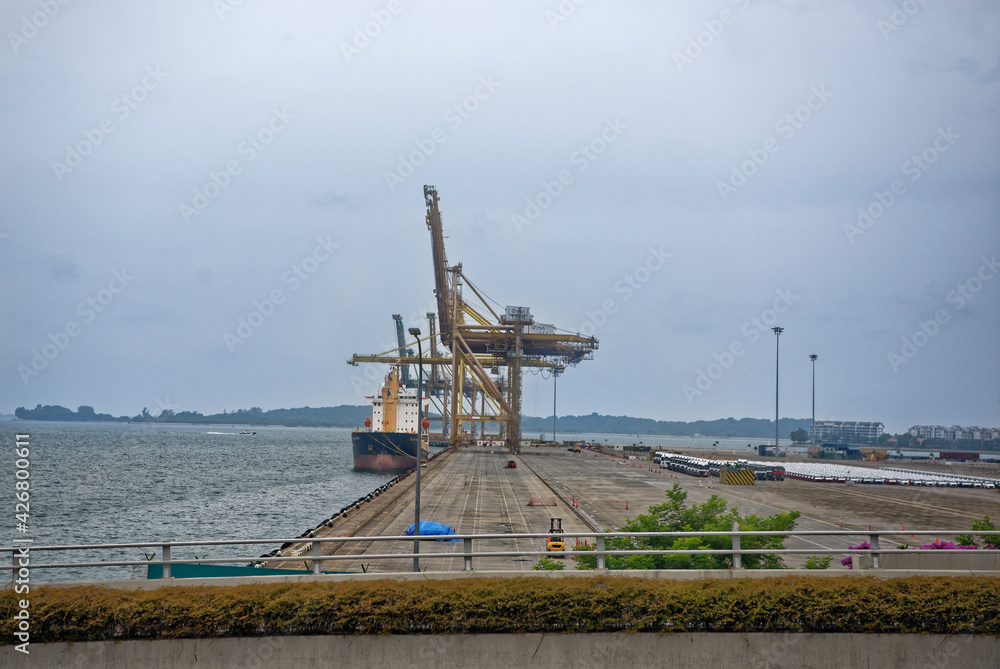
[(917, 559), (565, 651), (973, 561)]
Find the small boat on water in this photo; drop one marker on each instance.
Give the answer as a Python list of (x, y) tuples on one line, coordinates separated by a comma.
[(388, 442), (247, 432)]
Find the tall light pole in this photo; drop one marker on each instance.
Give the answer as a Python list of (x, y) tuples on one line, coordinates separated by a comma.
[(777, 335), (812, 431), (555, 377), (420, 447)]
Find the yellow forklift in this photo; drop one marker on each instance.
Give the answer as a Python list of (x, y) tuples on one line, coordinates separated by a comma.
[(555, 543)]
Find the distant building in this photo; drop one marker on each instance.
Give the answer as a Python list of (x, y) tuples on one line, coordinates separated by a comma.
[(846, 432), (836, 452), (955, 432)]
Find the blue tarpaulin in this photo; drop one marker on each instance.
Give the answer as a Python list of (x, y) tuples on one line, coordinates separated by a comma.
[(429, 528)]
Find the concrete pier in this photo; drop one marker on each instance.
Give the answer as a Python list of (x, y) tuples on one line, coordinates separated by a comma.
[(474, 492)]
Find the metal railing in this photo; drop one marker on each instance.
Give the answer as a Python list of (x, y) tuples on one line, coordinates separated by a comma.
[(24, 556)]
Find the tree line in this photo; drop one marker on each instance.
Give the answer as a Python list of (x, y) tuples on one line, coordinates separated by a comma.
[(338, 416)]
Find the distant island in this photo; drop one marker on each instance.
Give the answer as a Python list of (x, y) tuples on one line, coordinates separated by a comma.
[(757, 428), (339, 416), (346, 415), (352, 416)]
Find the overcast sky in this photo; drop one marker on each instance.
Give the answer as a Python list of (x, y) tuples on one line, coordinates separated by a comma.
[(675, 178)]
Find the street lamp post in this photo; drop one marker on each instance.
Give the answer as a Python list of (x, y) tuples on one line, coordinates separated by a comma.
[(777, 334), (420, 447), (812, 431), (555, 377)]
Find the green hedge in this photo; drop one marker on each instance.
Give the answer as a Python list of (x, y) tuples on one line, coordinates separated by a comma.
[(952, 605)]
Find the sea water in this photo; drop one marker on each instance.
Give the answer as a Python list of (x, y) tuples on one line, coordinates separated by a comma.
[(94, 483)]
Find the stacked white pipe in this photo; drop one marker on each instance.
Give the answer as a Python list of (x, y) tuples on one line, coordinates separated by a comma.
[(823, 472)]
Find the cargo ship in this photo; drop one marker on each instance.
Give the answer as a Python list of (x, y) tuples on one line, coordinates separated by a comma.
[(388, 442)]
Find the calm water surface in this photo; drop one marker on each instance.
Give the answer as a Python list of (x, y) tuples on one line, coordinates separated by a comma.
[(118, 483)]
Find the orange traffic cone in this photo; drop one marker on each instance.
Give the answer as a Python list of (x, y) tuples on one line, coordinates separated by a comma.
[(626, 505)]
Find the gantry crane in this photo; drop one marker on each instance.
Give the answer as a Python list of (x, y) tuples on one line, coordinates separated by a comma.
[(488, 350)]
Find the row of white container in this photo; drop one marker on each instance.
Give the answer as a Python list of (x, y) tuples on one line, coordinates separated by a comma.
[(878, 475), (836, 473)]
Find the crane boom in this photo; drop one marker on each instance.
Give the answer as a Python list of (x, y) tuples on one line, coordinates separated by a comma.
[(404, 352), (442, 289)]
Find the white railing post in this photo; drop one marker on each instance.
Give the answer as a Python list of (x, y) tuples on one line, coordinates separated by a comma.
[(876, 557), (13, 572), (166, 561), (317, 552), (467, 547), (737, 556), (600, 552)]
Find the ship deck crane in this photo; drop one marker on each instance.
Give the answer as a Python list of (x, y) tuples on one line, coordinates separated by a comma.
[(407, 352)]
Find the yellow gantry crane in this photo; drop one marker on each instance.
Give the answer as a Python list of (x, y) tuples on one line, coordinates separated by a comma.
[(480, 381)]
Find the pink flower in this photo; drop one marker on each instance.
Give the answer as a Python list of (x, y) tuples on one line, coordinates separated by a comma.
[(938, 544)]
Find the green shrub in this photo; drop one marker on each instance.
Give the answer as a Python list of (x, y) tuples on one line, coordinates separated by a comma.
[(548, 564), (711, 516), (985, 541), (813, 562), (585, 562), (841, 604)]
